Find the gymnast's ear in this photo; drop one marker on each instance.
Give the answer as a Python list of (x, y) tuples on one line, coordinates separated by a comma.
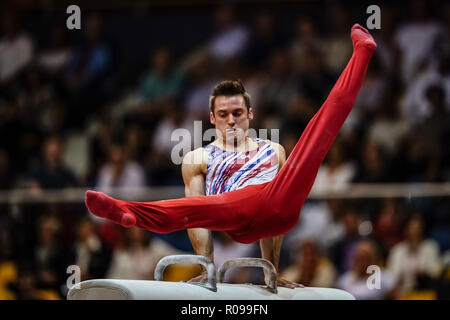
[(212, 118), (250, 113)]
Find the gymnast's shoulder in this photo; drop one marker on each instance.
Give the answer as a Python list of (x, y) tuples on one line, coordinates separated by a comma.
[(279, 150), (196, 159)]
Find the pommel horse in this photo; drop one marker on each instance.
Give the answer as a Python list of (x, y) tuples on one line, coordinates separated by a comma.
[(214, 289)]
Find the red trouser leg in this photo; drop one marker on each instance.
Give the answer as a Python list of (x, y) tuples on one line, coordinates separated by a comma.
[(289, 189), (257, 211), (224, 212)]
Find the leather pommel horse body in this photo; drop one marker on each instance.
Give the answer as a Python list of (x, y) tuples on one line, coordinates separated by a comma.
[(215, 289)]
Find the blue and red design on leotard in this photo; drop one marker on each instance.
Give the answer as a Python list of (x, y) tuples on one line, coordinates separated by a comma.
[(228, 170)]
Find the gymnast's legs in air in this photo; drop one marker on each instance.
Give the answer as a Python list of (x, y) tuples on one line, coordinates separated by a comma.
[(257, 211)]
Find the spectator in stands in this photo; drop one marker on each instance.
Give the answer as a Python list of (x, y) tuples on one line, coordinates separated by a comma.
[(417, 106), (51, 173), (370, 97), (89, 62), (313, 80), (16, 48), (423, 29), (27, 114), (435, 131), (120, 171), (230, 38), (200, 82), (54, 57), (388, 52), (161, 81), (374, 165), (343, 251), (90, 253), (159, 165), (87, 72), (388, 225), (415, 260), (172, 120), (278, 89), (311, 267), (389, 128), (321, 222), (356, 280), (139, 255), (37, 102), (264, 38), (306, 38), (436, 128), (338, 49), (336, 172), (27, 287), (416, 164), (311, 83), (100, 143), (49, 259), (135, 144)]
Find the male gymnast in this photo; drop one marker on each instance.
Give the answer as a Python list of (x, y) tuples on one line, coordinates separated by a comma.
[(233, 161), (258, 211)]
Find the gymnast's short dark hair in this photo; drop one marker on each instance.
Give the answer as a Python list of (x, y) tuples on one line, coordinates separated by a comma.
[(229, 88)]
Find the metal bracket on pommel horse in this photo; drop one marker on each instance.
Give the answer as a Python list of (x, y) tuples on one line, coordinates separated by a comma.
[(204, 261), (252, 262), (210, 268), (214, 289)]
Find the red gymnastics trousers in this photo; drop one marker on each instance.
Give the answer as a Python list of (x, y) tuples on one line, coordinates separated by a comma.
[(256, 211)]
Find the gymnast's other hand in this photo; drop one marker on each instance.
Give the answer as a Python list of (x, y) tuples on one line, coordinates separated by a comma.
[(202, 278), (281, 282)]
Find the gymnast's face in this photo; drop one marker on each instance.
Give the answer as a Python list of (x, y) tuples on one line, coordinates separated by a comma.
[(231, 118)]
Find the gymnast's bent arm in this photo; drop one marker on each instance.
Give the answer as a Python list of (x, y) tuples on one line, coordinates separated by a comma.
[(193, 170)]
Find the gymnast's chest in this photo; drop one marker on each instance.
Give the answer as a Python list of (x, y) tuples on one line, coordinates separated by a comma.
[(228, 171)]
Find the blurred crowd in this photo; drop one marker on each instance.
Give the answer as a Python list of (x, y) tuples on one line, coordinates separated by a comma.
[(97, 107)]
